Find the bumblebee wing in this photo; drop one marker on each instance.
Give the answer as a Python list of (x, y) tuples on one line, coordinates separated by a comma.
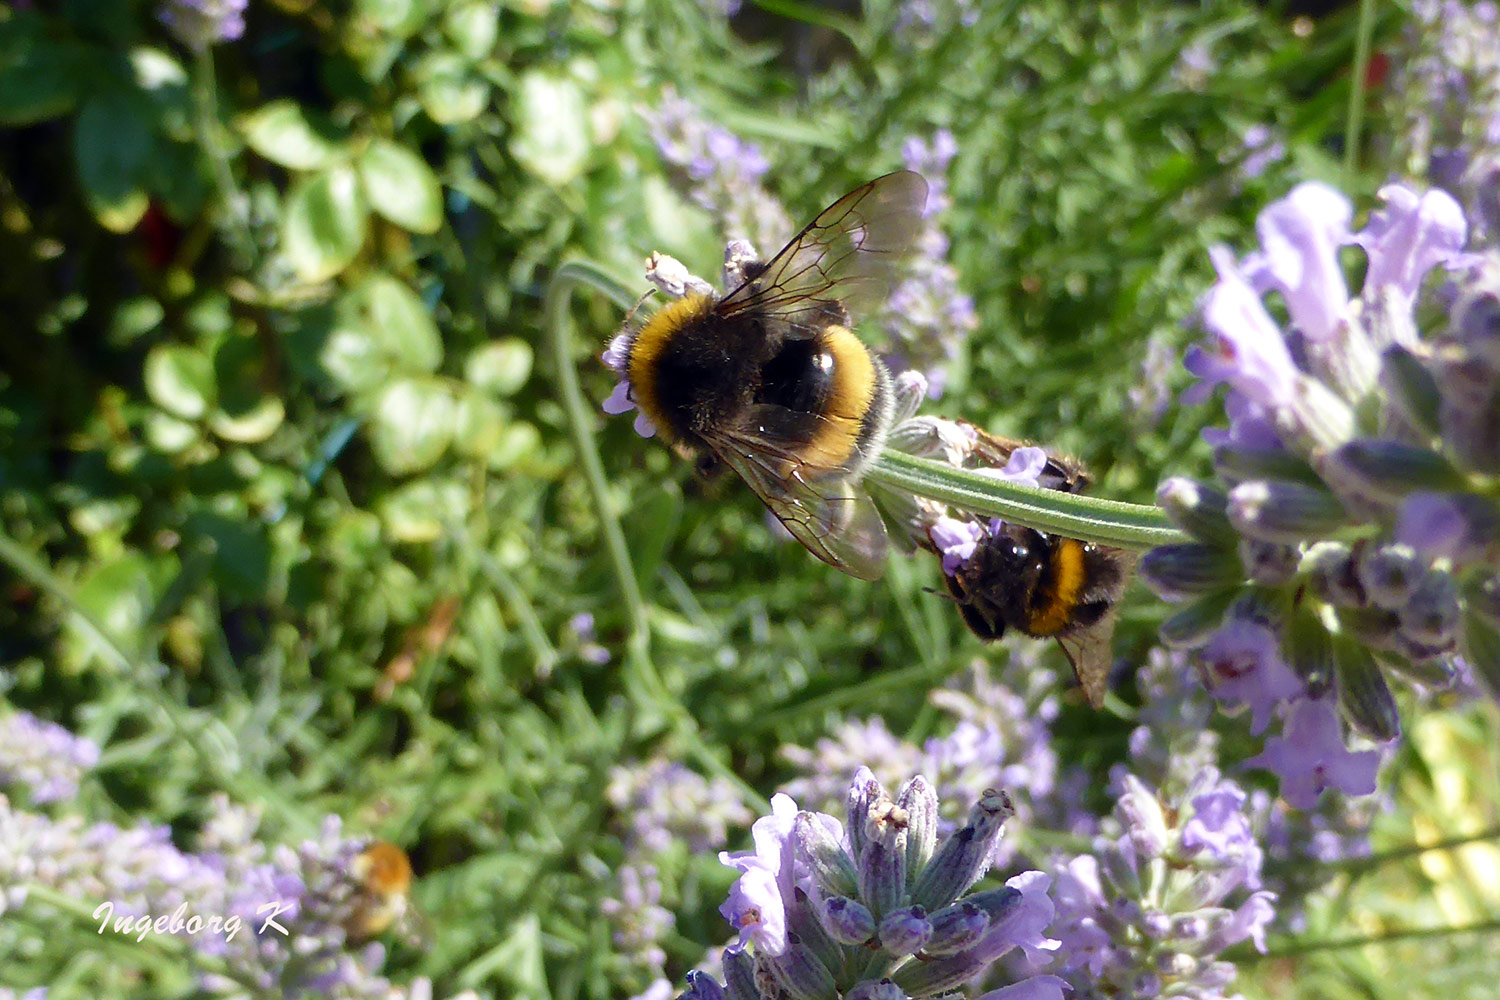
[(1091, 653), (1091, 650), (832, 518), (848, 254)]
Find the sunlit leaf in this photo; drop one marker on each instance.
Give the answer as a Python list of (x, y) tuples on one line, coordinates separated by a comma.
[(552, 138), (180, 380), (500, 367), (281, 132), (324, 225), (401, 186), (113, 146), (413, 425)]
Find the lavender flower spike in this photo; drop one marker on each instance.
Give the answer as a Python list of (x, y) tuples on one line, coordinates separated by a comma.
[(815, 945)]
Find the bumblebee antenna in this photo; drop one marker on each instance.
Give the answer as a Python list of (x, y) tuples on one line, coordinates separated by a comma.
[(630, 316)]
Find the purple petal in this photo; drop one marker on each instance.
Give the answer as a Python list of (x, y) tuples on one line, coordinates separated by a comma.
[(1035, 988), (1300, 236), (1413, 234)]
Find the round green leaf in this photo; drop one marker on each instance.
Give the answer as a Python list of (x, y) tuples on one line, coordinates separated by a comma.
[(500, 367), (180, 380), (281, 132), (552, 136), (401, 186), (167, 434), (112, 143), (398, 323), (473, 27), (481, 424), (417, 511), (520, 440), (413, 425), (324, 224), (448, 89)]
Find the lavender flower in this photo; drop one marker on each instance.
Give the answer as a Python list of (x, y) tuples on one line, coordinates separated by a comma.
[(638, 918), (876, 907), (217, 898), (721, 172), (927, 319), (662, 802), (199, 24), (1173, 880), (1332, 424), (1001, 736), (44, 757)]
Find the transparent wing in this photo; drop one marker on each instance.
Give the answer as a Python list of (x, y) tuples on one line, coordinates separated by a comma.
[(830, 516), (848, 254), (1091, 650)]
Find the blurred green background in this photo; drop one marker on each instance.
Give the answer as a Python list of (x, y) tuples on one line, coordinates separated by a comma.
[(292, 509)]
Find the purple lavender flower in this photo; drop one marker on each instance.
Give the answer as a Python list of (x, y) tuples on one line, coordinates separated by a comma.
[(199, 24), (1125, 918), (1243, 666), (44, 757), (638, 918), (723, 172), (661, 802), (1332, 425), (816, 897), (1310, 756)]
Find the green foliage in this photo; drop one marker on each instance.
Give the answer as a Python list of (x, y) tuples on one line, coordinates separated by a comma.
[(292, 509)]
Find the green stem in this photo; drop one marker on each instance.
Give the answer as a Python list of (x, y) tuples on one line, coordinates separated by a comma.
[(206, 107), (1355, 118), (1399, 934), (1091, 519), (647, 680), (1412, 850)]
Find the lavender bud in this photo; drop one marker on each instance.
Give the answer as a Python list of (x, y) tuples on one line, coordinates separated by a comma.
[(1239, 465), (739, 976), (910, 392), (1118, 868), (962, 859), (1459, 526), (1434, 674), (1215, 977), (1195, 622), (1145, 822), (863, 792), (1156, 924), (1410, 385), (1146, 986), (905, 931), (802, 918), (702, 986), (939, 975), (1278, 511), (1363, 693), (847, 921), (1482, 651), (1431, 616), (1269, 563), (830, 865), (1177, 572), (801, 973), (1197, 509), (1188, 928), (876, 989), (882, 864), (1309, 651), (1376, 628), (956, 927), (1331, 573), (1388, 574), (921, 804), (767, 980), (1386, 471)]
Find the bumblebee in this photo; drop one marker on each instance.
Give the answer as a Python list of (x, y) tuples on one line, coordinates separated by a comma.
[(1044, 585), (770, 380), (384, 874)]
